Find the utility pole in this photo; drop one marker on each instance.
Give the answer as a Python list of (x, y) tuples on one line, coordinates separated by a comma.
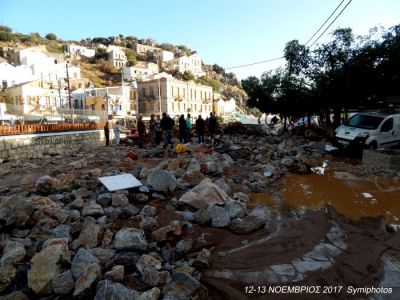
[(159, 95), (69, 94), (69, 89)]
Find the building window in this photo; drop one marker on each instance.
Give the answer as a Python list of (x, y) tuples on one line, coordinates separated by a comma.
[(151, 91), (144, 92), (4, 84)]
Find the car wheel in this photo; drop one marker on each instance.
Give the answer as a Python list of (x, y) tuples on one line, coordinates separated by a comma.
[(373, 145)]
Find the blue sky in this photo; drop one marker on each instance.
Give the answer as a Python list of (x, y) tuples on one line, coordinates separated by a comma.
[(226, 32)]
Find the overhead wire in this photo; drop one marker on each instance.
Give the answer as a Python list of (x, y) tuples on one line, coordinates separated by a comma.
[(330, 24), (315, 33), (282, 57)]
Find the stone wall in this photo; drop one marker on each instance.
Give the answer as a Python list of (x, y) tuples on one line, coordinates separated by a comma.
[(18, 147)]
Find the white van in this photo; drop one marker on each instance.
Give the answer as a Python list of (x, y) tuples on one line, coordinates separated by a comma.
[(368, 130)]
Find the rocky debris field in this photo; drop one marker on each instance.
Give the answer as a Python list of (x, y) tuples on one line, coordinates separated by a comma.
[(192, 230)]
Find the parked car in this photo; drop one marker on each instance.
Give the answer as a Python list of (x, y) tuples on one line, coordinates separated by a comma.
[(368, 130)]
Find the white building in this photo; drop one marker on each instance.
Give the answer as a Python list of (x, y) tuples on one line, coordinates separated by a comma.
[(139, 71), (44, 67), (117, 58), (190, 63), (76, 49), (164, 56), (119, 101), (225, 107), (175, 97), (10, 75)]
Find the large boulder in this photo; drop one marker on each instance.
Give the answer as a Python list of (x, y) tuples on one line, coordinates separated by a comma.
[(162, 181), (81, 261), (85, 282), (48, 184), (45, 266), (107, 289), (219, 216), (205, 194), (181, 286), (15, 210), (63, 283), (130, 239), (90, 235), (13, 253), (246, 224), (7, 274)]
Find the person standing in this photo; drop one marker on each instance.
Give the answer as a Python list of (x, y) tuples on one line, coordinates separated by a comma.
[(107, 133), (200, 128), (117, 132), (212, 125), (141, 128), (189, 128), (167, 124), (158, 131), (182, 129), (152, 129)]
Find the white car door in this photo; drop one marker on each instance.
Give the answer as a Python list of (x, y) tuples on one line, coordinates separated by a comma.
[(387, 135)]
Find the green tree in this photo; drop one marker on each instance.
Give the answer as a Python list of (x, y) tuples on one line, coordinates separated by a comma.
[(217, 69), (5, 28), (131, 56), (6, 36), (51, 36), (205, 80), (187, 76), (167, 47)]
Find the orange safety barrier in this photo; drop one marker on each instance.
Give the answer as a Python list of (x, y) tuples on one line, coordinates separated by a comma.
[(46, 128)]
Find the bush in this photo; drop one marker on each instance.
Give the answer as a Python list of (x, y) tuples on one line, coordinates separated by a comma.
[(6, 36), (105, 66), (51, 36), (5, 28)]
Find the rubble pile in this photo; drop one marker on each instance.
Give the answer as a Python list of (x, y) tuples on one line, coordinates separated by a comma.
[(66, 235)]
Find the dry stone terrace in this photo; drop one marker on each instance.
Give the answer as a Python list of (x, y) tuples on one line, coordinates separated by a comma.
[(194, 233)]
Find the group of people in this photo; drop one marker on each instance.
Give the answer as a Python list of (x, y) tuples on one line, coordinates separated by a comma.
[(164, 126)]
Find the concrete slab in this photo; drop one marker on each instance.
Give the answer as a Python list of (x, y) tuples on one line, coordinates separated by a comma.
[(120, 182)]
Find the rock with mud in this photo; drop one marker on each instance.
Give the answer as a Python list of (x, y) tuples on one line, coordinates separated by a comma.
[(63, 283), (15, 210), (206, 193), (161, 181), (130, 239), (45, 266), (234, 209), (47, 184), (85, 282), (7, 274), (181, 286), (115, 274), (13, 253), (107, 289), (81, 261), (246, 224), (219, 216)]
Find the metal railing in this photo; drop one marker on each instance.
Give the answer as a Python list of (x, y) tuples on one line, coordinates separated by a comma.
[(46, 128)]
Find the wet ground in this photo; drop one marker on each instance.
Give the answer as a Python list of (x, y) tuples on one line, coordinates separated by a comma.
[(354, 197), (326, 229)]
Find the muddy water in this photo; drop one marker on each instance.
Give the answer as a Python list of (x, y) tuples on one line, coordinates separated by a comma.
[(351, 196)]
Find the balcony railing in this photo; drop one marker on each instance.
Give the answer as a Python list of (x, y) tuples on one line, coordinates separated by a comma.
[(46, 128)]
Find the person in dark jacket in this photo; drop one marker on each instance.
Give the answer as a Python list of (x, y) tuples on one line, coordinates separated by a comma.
[(212, 125), (200, 128), (107, 134), (141, 128), (167, 124), (152, 129), (182, 129), (158, 130)]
